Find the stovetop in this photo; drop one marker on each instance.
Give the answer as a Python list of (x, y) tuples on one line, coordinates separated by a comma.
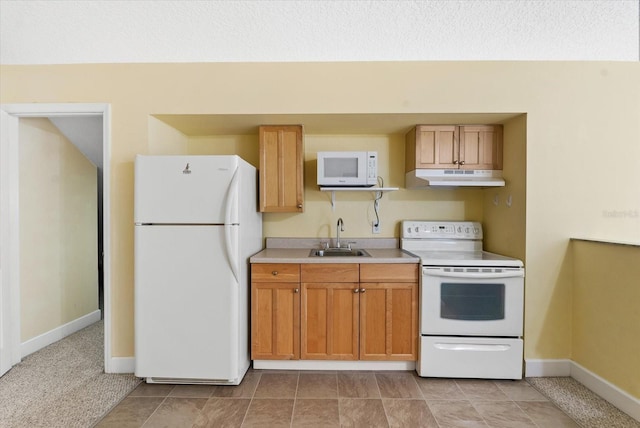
[(465, 258), (450, 243)]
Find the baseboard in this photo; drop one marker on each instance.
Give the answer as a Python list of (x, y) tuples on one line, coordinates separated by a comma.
[(605, 389), (122, 365), (547, 368), (333, 365), (52, 336)]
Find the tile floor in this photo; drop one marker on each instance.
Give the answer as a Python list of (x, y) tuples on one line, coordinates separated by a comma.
[(338, 399)]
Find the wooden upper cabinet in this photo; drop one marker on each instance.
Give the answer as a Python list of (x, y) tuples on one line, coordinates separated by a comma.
[(481, 147), (281, 168), (451, 146), (430, 146)]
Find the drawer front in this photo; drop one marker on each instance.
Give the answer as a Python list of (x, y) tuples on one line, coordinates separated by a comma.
[(470, 357), (329, 272), (275, 272), (389, 272)]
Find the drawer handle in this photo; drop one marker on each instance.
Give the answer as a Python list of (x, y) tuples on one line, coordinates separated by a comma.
[(274, 273)]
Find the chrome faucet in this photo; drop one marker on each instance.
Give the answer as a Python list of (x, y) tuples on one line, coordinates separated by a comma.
[(339, 228)]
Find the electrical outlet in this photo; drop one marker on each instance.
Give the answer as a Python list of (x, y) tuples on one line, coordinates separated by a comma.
[(375, 228)]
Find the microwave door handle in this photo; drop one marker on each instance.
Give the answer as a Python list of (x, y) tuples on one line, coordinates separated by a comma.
[(476, 275)]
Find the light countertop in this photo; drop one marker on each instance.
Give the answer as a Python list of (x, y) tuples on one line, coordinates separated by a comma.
[(301, 255), (296, 250)]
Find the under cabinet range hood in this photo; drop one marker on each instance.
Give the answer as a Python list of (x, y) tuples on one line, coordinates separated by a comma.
[(425, 178)]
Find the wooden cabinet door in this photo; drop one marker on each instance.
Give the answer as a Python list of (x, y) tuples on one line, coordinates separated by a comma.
[(432, 146), (390, 272), (481, 147), (275, 321), (329, 322), (281, 169), (388, 321)]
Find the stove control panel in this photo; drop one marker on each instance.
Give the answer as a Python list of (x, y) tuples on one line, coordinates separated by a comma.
[(441, 230)]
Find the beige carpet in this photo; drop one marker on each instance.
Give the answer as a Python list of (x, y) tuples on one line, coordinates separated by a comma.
[(582, 405), (62, 385)]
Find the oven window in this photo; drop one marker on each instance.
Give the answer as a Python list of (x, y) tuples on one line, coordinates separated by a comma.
[(472, 302)]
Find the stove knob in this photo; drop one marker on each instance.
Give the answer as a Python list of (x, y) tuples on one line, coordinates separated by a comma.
[(466, 230), (417, 229), (459, 229)]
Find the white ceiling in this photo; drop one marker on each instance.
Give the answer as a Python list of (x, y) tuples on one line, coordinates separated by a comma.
[(100, 31)]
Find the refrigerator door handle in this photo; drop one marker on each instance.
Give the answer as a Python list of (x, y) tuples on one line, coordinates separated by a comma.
[(230, 244)]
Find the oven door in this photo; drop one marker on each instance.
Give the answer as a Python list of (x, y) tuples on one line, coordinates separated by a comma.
[(472, 301)]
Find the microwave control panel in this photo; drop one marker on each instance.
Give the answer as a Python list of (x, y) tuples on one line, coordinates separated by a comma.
[(372, 166)]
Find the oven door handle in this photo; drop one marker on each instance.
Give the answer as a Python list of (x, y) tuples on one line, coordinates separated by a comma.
[(474, 275)]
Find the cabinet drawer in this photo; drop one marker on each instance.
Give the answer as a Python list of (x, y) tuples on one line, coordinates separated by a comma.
[(389, 272), (275, 272), (329, 272)]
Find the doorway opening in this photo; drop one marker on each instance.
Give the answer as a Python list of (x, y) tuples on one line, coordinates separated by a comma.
[(86, 125)]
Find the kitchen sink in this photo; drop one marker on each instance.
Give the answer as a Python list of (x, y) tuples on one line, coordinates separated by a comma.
[(339, 252)]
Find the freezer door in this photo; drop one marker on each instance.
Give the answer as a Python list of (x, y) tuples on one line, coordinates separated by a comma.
[(187, 310), (186, 189)]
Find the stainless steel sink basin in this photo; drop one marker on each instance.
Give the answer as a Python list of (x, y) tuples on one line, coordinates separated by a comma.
[(339, 252)]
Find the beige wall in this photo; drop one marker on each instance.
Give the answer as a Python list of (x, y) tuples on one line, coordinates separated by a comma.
[(58, 230), (582, 153), (606, 319)]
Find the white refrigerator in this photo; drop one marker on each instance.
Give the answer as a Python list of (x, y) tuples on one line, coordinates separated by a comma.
[(196, 225)]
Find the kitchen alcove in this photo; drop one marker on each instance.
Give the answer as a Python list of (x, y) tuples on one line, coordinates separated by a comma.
[(202, 134)]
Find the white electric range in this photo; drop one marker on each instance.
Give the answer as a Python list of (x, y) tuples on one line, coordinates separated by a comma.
[(471, 303)]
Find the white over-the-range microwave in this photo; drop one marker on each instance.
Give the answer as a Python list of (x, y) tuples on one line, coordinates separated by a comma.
[(347, 169)]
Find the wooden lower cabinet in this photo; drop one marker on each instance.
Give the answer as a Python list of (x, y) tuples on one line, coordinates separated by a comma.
[(389, 311), (329, 311), (335, 312), (275, 312), (388, 321), (329, 323)]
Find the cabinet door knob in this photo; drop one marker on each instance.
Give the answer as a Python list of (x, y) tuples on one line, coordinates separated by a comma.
[(296, 290), (357, 290), (455, 162), (299, 205), (461, 162), (274, 273), (362, 290)]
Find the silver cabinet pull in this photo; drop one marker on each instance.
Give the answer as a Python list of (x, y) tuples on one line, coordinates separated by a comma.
[(362, 290), (357, 290), (296, 290), (274, 273)]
